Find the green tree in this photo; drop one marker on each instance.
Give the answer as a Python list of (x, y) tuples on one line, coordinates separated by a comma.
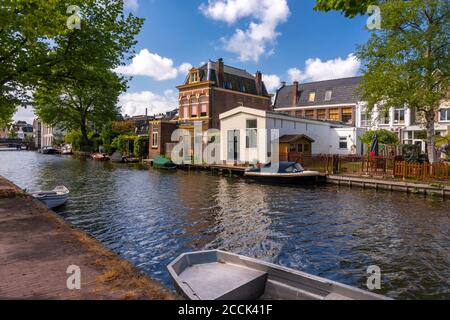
[(37, 47), (384, 137), (80, 104), (84, 91), (406, 63), (350, 8)]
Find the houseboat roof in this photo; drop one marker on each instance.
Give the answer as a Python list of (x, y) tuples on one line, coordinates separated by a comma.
[(343, 91)]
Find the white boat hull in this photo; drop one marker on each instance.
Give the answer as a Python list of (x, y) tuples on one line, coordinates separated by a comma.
[(53, 199)]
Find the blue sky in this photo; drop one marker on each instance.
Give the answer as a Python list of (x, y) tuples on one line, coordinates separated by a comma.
[(285, 39)]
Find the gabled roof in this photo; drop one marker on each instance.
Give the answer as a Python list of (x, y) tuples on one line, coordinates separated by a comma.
[(291, 138), (344, 91)]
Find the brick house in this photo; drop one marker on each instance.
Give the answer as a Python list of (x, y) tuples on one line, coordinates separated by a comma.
[(160, 132), (215, 88)]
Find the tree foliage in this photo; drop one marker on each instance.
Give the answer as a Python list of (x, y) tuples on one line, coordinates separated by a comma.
[(406, 63), (83, 91), (384, 137), (350, 8), (38, 49)]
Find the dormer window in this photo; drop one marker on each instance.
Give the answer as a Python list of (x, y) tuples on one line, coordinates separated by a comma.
[(328, 95), (312, 96), (194, 76)]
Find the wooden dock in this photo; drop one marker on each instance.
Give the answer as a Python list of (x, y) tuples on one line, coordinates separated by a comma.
[(37, 247), (222, 169), (390, 185)]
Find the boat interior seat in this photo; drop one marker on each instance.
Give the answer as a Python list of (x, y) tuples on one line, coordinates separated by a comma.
[(224, 281)]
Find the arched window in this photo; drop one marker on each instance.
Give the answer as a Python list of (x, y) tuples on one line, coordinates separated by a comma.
[(204, 103), (194, 107), (184, 108)]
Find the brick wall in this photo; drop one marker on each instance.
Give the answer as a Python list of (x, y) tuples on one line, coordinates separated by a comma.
[(225, 100)]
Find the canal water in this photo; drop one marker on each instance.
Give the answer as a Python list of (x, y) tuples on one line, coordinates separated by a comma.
[(150, 217)]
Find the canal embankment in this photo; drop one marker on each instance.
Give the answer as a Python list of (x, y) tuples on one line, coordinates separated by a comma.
[(37, 247), (426, 189)]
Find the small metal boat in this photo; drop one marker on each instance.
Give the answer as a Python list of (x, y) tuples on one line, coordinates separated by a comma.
[(99, 157), (219, 275), (287, 173), (55, 198)]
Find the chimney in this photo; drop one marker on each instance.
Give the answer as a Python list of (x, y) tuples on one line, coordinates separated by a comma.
[(220, 73), (259, 83), (294, 93)]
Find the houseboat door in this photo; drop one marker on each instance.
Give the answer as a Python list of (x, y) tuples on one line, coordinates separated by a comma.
[(233, 145)]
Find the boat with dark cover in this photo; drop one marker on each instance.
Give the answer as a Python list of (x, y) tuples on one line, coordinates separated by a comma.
[(284, 173)]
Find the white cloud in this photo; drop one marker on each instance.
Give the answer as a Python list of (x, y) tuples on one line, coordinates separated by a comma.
[(134, 104), (272, 82), (184, 68), (152, 65), (131, 4), (251, 43), (317, 70)]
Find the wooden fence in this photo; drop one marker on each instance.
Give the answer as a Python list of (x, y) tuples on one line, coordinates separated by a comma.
[(377, 166), (422, 170)]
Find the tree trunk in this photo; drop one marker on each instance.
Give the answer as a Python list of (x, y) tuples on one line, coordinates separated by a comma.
[(431, 136), (84, 133)]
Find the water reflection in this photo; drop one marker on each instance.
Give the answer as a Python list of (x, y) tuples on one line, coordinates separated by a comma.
[(149, 217)]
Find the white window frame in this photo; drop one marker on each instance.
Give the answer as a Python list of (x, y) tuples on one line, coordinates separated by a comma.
[(447, 111), (341, 139), (251, 133), (155, 138), (328, 95)]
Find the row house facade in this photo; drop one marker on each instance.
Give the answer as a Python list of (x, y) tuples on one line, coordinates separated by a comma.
[(215, 88), (338, 100)]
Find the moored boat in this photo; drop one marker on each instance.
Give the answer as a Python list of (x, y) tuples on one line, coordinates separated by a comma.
[(219, 275), (54, 198), (285, 173), (99, 156), (48, 150), (66, 149), (162, 162)]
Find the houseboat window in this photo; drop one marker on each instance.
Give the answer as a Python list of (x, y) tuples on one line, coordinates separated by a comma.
[(155, 135), (334, 114), (347, 116), (306, 148), (328, 95), (293, 148), (399, 116), (444, 114), (312, 96), (251, 136), (342, 142)]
